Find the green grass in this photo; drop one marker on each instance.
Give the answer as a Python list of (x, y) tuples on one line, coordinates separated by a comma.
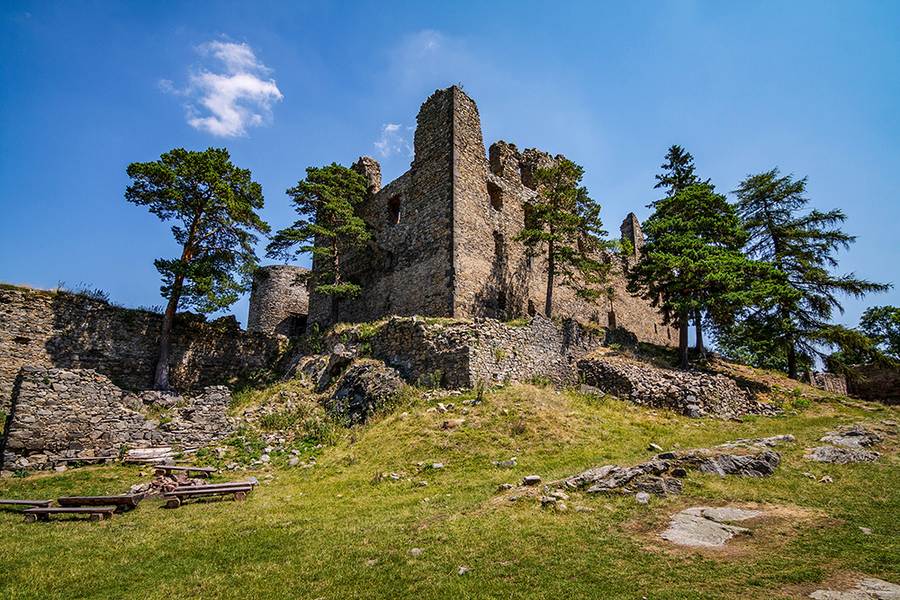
[(338, 530)]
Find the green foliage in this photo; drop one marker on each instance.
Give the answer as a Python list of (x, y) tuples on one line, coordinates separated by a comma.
[(328, 228), (84, 290), (882, 325), (565, 223), (214, 206), (801, 245), (678, 172), (691, 261)]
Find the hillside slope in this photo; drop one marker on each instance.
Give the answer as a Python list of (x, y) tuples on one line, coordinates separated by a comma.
[(373, 518)]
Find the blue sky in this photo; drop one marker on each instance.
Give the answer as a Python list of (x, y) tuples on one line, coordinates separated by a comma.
[(87, 87)]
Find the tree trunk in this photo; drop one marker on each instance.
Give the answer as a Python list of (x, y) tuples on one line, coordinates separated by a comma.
[(551, 268), (161, 377), (336, 266), (683, 319), (792, 359), (698, 325)]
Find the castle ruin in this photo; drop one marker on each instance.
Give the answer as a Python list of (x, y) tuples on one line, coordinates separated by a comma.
[(444, 237)]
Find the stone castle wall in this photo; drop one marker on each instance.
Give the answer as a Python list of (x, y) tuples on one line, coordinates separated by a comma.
[(406, 267), (54, 329), (444, 236), (62, 415), (458, 354), (279, 301)]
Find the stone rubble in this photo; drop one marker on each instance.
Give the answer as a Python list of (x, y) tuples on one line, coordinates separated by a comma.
[(691, 393)]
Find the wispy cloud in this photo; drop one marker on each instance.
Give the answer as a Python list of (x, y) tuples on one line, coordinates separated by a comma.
[(227, 99), (394, 139)]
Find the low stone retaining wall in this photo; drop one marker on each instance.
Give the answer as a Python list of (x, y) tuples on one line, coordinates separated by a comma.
[(59, 415), (459, 354), (690, 393)]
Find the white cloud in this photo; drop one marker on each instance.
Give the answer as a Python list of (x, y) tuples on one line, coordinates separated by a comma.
[(227, 103), (394, 139)]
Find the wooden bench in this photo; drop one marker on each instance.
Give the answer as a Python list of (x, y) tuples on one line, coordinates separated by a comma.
[(178, 497), (96, 513), (38, 503), (199, 471), (122, 502), (89, 459), (213, 486)]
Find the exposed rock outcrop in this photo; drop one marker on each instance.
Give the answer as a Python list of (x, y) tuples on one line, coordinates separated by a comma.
[(840, 456), (365, 387), (705, 527), (660, 475)]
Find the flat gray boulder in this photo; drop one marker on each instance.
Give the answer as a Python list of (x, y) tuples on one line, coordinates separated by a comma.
[(855, 436), (865, 589), (707, 527), (840, 455)]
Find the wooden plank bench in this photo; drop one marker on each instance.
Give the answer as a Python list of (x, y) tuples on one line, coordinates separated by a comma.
[(122, 502), (213, 486), (178, 497), (96, 513), (199, 471), (37, 503)]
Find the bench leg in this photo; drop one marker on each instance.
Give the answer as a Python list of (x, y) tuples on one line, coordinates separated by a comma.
[(173, 502), (240, 496), (96, 516), (31, 518)]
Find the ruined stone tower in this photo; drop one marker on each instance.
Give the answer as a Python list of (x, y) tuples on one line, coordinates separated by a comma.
[(279, 302), (444, 235)]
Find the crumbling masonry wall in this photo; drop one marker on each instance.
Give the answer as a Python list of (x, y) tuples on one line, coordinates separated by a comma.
[(459, 354), (60, 415), (53, 329), (444, 234)]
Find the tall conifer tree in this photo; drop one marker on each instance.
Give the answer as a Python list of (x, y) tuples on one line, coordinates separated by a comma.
[(800, 243)]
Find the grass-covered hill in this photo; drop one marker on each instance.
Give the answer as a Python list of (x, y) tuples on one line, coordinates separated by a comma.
[(372, 517)]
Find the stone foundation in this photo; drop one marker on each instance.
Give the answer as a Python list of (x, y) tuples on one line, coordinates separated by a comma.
[(62, 415)]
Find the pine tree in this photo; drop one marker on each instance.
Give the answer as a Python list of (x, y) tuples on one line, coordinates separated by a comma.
[(564, 222), (677, 174), (801, 244), (215, 205), (692, 262), (329, 228)]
